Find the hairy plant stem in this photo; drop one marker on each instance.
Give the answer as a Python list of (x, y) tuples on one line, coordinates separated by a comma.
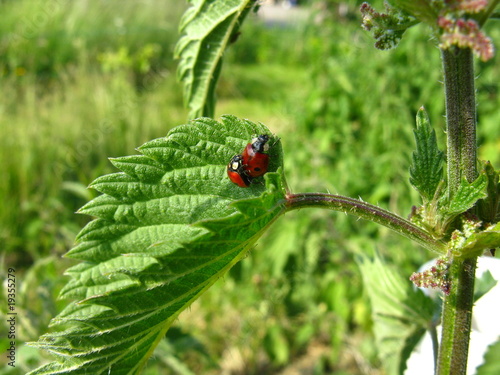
[(369, 212), (460, 116), (461, 138)]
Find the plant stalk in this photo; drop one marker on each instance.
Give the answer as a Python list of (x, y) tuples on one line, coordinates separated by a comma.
[(461, 140), (366, 211), (460, 116), (456, 318)]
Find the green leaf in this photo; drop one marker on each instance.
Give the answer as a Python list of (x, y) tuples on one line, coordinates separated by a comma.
[(207, 27), (166, 229), (488, 207), (483, 285), (426, 171), (491, 365), (466, 196), (400, 312), (477, 243)]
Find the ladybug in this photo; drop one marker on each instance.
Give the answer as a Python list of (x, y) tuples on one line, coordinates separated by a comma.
[(254, 156), (237, 173)]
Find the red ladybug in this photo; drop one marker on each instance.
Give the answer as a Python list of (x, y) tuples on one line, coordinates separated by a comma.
[(237, 173), (254, 157)]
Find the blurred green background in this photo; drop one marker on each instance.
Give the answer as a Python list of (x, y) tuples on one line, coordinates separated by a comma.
[(90, 79)]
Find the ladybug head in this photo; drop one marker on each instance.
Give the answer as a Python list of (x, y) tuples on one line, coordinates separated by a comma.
[(260, 144)]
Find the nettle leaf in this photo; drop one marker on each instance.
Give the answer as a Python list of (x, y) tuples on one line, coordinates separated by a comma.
[(426, 171), (166, 228), (208, 27), (491, 365), (477, 243), (466, 196), (488, 207), (400, 312), (483, 285)]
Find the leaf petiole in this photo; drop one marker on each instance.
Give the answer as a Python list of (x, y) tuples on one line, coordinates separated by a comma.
[(366, 211)]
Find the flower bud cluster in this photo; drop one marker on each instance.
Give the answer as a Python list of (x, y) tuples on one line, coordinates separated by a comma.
[(457, 23), (436, 277), (465, 33)]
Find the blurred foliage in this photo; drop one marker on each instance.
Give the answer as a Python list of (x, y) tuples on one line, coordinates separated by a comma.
[(45, 37), (100, 90), (88, 80)]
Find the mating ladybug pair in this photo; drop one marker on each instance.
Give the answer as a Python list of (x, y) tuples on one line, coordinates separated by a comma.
[(252, 162)]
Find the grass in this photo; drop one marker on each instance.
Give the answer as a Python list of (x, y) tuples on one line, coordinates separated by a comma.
[(69, 109), (345, 114), (55, 144)]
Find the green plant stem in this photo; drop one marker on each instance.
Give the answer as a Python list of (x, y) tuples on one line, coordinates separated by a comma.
[(460, 116), (456, 318), (461, 136), (369, 212)]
